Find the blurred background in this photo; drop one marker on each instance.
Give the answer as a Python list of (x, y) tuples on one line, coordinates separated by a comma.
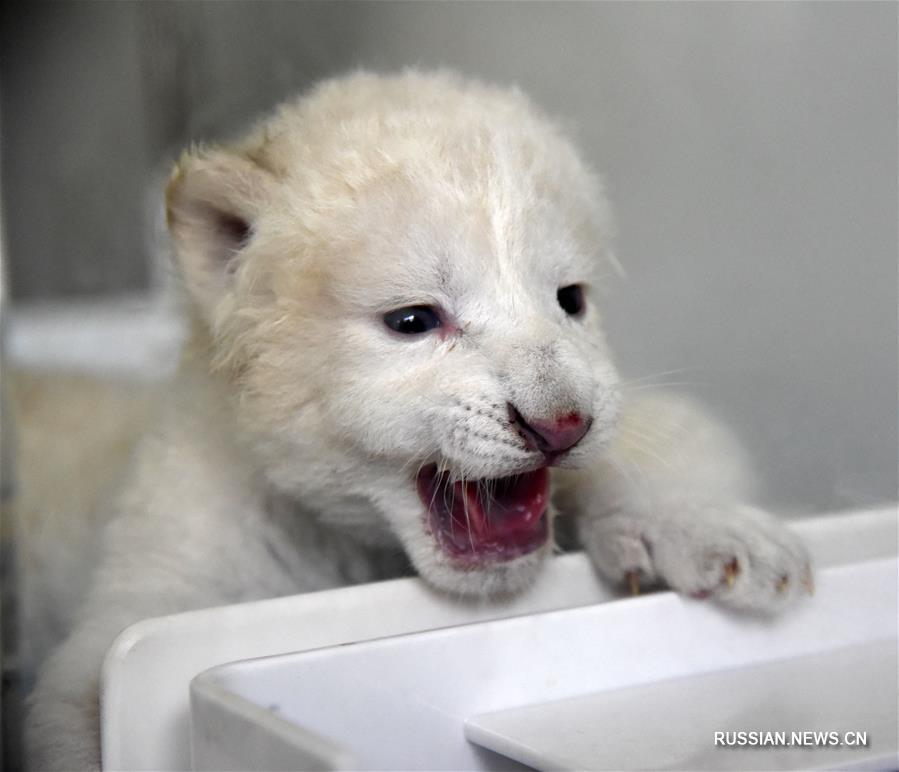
[(749, 149)]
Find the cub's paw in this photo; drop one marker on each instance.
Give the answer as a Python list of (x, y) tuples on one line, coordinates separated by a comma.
[(738, 555)]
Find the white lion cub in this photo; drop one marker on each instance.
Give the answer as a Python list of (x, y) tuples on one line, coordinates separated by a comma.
[(397, 356)]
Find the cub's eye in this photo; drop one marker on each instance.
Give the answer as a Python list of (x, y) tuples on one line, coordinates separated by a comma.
[(412, 320), (571, 298)]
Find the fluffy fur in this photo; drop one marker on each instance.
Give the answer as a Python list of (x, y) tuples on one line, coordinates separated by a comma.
[(286, 456), (75, 436)]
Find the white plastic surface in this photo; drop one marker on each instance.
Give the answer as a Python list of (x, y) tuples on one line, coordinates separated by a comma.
[(147, 672), (402, 703), (148, 669), (672, 724)]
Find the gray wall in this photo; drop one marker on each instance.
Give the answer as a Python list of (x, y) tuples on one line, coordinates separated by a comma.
[(74, 148), (750, 149)]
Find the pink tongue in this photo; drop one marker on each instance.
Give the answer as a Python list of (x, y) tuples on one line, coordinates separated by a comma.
[(501, 518)]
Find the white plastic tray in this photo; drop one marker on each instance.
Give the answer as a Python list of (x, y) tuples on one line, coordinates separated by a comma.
[(672, 724), (404, 702), (148, 669), (147, 672)]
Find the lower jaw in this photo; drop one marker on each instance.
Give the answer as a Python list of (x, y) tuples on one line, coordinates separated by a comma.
[(478, 579)]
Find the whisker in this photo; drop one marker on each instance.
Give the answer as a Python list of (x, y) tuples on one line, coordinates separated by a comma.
[(677, 371), (467, 516), (434, 498), (655, 434), (663, 385), (640, 448), (637, 423)]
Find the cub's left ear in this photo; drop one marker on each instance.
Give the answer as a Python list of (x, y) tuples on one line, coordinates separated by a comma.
[(212, 202)]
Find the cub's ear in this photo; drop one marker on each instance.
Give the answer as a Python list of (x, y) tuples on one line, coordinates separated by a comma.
[(212, 202)]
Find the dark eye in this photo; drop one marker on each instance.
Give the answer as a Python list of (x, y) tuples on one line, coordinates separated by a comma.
[(571, 298), (412, 320)]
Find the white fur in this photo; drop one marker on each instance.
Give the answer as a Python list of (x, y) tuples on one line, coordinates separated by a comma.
[(286, 457)]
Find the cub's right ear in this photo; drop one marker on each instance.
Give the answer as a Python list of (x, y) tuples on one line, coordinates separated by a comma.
[(212, 202)]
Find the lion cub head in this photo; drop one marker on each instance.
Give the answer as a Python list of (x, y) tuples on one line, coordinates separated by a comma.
[(397, 277)]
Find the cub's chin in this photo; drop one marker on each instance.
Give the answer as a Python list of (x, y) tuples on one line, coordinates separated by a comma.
[(483, 537)]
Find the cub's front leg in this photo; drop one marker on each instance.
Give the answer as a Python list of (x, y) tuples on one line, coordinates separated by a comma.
[(667, 505)]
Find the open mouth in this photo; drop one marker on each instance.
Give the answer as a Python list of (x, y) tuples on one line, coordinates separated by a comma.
[(479, 520)]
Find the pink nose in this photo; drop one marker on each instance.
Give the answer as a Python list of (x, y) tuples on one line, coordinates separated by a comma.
[(551, 436)]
